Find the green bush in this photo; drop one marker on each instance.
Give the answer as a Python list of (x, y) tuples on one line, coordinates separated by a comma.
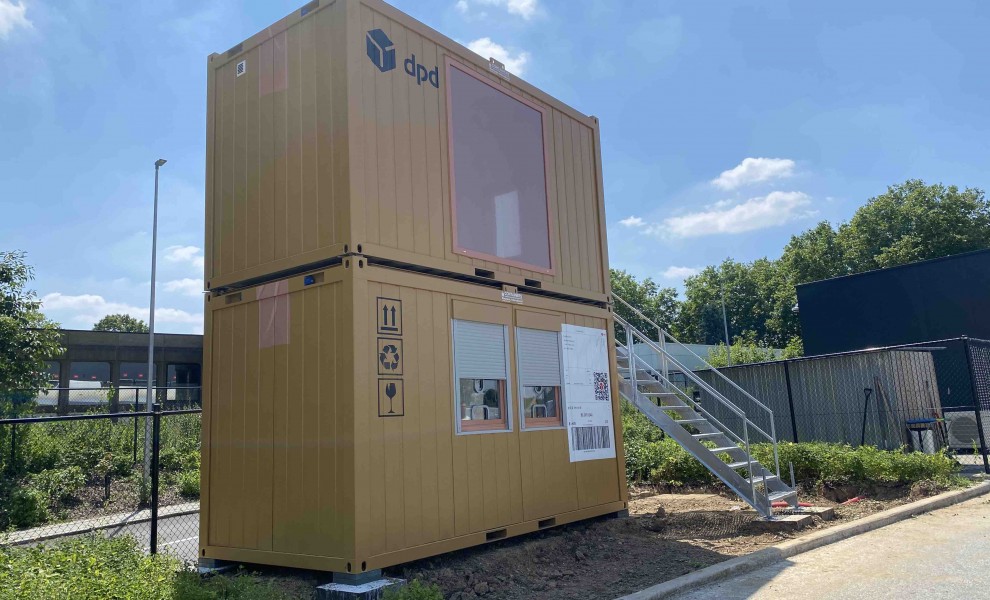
[(650, 459), (189, 484), (58, 485), (415, 590), (88, 568), (27, 507)]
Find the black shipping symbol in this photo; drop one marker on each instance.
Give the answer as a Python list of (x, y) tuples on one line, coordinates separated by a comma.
[(389, 356), (389, 316), (391, 401)]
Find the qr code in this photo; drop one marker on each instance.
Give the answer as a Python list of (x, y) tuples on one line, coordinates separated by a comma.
[(601, 387)]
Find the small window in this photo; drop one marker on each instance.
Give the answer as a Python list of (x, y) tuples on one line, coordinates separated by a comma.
[(538, 354), (89, 374), (54, 370), (183, 375), (481, 376), (134, 374), (498, 173)]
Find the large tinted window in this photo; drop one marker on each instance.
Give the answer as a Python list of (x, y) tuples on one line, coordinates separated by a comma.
[(499, 177)]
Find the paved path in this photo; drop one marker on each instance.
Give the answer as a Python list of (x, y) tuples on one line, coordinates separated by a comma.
[(942, 554)]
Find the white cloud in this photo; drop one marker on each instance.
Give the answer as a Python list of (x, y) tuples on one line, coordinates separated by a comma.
[(526, 9), (187, 286), (680, 272), (632, 221), (776, 208), (185, 254), (12, 16), (85, 309), (514, 63), (754, 170)]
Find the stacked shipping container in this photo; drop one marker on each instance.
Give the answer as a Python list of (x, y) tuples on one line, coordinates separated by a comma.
[(397, 234)]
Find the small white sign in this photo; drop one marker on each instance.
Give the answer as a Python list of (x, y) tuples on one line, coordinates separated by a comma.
[(587, 393), (241, 68), (513, 297), (499, 69)]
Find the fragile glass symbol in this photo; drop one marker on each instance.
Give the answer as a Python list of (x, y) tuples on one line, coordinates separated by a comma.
[(390, 392)]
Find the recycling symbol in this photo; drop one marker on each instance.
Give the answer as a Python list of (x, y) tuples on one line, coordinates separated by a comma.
[(389, 357)]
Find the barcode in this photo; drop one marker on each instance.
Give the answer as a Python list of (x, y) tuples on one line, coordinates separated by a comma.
[(590, 438), (601, 387)]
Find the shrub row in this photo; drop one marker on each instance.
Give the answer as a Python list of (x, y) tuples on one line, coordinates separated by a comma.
[(655, 459)]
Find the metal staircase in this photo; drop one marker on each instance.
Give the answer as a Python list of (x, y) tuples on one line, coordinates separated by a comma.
[(675, 409)]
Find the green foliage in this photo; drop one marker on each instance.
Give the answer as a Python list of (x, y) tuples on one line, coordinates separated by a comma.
[(58, 485), (88, 568), (650, 459), (658, 304), (794, 348), (744, 350), (122, 323), (27, 507), (189, 483), (414, 590), (243, 586), (27, 338)]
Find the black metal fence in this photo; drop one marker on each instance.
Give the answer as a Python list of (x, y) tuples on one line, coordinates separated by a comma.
[(921, 396), (131, 472)]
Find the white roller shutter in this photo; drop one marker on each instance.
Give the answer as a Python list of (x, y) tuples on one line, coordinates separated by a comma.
[(479, 350), (539, 357)]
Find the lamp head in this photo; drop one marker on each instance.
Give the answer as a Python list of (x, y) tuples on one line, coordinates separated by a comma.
[(160, 162)]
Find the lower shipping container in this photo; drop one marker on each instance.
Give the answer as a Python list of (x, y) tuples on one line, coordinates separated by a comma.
[(360, 417)]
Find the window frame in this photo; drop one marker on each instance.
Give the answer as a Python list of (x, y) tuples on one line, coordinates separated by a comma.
[(528, 423), (502, 425), (450, 63)]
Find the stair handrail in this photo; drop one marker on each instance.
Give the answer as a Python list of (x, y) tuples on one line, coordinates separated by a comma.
[(707, 365), (689, 373), (695, 405)]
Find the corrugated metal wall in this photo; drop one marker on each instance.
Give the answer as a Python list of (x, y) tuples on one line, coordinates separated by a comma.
[(829, 399), (276, 154), (428, 484), (280, 476)]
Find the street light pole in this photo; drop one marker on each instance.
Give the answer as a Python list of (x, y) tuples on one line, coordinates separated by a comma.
[(725, 325), (151, 329)]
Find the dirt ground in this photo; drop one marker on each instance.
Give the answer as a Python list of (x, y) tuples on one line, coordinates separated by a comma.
[(665, 536)]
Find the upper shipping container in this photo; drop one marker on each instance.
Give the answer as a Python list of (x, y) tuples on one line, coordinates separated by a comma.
[(348, 127)]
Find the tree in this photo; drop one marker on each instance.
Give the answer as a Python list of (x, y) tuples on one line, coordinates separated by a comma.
[(745, 350), (27, 338), (814, 255), (658, 304), (758, 303), (122, 323)]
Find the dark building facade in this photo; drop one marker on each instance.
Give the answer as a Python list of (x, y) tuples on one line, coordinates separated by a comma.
[(925, 301), (96, 363)]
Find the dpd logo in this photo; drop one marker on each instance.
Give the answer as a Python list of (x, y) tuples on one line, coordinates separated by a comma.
[(382, 54), (380, 50)]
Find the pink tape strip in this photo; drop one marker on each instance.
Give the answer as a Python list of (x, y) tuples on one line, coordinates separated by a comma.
[(273, 314)]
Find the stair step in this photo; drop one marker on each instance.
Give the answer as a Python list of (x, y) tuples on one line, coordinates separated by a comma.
[(774, 496), (659, 394), (739, 464), (688, 421), (759, 478), (677, 408), (702, 436), (724, 449)]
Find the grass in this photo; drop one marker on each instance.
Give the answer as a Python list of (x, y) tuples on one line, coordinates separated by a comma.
[(654, 459), (98, 568)]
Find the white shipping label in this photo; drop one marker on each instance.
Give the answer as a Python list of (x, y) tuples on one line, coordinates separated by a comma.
[(587, 393)]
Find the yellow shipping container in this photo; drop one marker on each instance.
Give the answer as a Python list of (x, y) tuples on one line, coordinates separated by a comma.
[(360, 416), (348, 127)]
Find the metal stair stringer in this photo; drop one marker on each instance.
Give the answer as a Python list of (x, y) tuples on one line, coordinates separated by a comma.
[(653, 394)]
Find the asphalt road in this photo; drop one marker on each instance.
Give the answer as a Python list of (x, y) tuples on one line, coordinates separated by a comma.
[(941, 554)]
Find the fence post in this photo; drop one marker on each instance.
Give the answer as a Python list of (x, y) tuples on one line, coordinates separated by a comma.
[(977, 401), (13, 448), (790, 400), (155, 447), (135, 424)]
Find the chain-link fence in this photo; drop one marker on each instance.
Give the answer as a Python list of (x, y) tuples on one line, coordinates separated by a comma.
[(129, 472), (921, 396)]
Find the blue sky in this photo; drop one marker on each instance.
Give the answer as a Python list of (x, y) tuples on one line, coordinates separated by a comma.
[(726, 126)]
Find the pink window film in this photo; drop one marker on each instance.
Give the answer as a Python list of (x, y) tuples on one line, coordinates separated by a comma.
[(499, 177)]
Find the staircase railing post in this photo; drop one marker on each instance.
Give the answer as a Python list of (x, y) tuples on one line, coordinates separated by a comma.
[(749, 459), (630, 347), (664, 365)]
